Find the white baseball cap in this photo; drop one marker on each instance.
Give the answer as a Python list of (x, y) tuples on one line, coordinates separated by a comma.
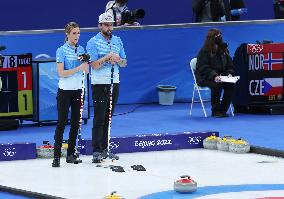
[(106, 18)]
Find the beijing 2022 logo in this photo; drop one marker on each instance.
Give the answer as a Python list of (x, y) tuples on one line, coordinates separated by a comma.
[(9, 152)]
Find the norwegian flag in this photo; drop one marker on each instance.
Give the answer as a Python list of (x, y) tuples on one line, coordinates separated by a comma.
[(273, 61)]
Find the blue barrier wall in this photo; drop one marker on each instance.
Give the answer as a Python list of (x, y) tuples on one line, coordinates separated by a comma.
[(156, 54), (34, 15), (260, 9)]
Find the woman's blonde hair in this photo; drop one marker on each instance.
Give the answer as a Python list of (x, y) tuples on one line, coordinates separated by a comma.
[(69, 27)]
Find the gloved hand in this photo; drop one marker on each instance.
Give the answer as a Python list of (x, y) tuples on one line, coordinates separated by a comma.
[(84, 57), (240, 11), (243, 11), (223, 19)]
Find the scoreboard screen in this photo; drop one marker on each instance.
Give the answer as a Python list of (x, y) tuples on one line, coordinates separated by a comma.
[(265, 72), (16, 90)]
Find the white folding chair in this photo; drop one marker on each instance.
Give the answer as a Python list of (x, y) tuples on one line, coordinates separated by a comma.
[(198, 89)]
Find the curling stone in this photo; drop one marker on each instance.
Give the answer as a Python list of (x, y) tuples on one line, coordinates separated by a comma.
[(65, 144), (239, 146), (47, 151), (223, 144), (210, 142), (113, 196), (185, 185)]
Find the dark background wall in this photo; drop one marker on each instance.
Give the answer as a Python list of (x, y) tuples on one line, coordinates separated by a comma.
[(54, 14)]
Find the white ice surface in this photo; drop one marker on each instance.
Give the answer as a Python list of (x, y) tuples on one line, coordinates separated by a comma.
[(86, 181)]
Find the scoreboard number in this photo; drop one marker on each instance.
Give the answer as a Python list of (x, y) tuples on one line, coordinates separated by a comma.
[(10, 61), (25, 79), (26, 101), (0, 83)]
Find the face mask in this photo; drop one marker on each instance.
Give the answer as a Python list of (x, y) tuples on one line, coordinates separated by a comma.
[(218, 40)]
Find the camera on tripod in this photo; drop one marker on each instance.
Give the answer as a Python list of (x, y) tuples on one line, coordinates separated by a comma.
[(131, 16)]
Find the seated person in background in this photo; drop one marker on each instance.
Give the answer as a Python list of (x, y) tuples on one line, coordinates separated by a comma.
[(211, 10), (214, 60), (238, 8)]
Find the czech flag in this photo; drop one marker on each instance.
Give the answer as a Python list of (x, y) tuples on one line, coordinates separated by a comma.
[(273, 86)]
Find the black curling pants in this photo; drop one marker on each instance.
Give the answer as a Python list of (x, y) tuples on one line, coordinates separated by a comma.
[(101, 102), (65, 100)]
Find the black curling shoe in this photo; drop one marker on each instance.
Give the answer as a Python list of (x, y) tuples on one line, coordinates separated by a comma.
[(56, 162), (73, 159)]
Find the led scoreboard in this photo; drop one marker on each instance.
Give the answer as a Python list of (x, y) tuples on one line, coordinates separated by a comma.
[(16, 90), (261, 86), (265, 72)]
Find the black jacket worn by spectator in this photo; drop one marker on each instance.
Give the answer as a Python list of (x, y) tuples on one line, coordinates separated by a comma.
[(211, 10), (209, 66)]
